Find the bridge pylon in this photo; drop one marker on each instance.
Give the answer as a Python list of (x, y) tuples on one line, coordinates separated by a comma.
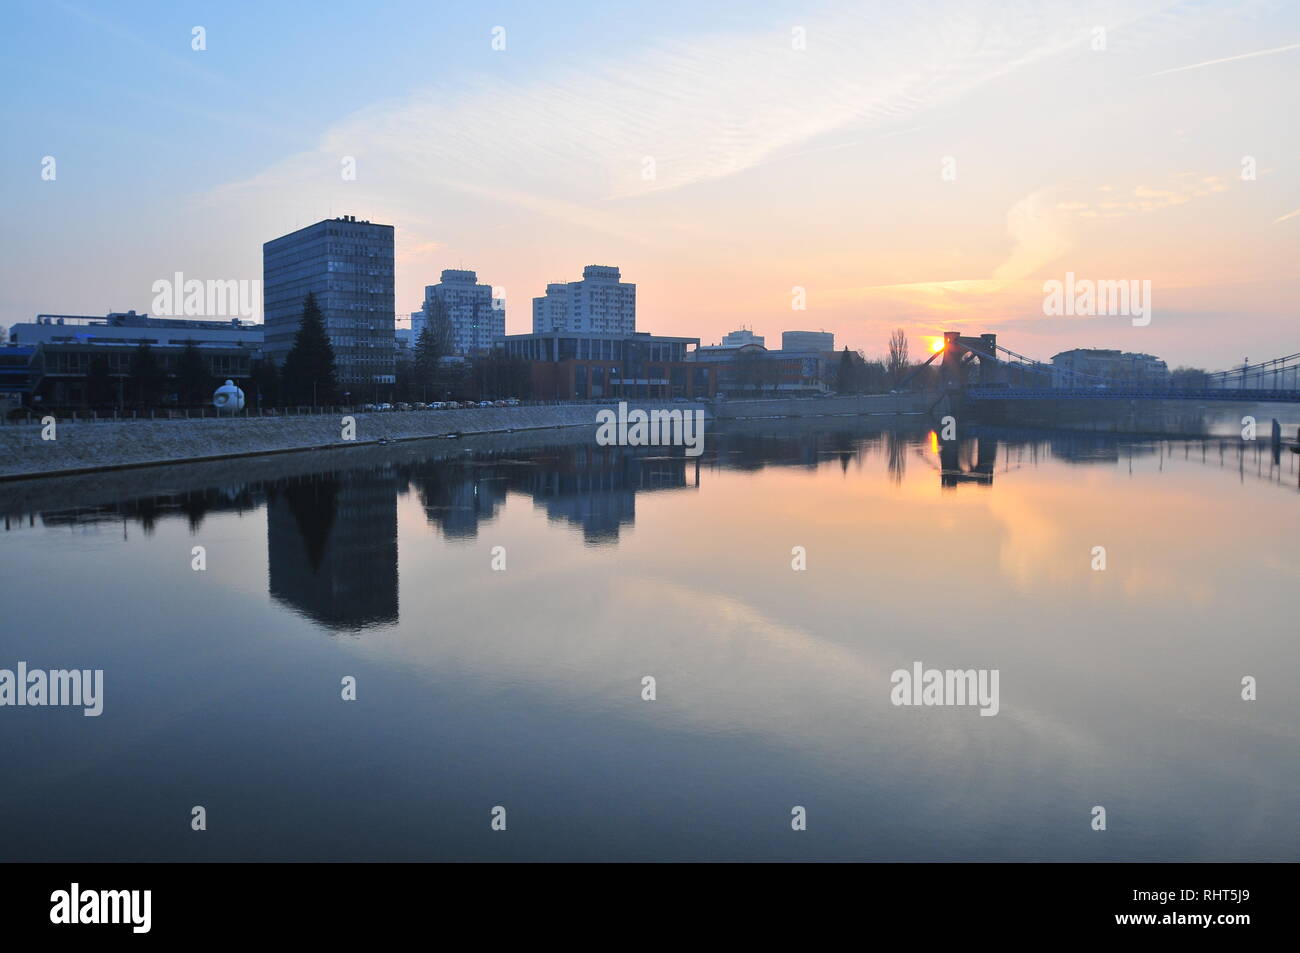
[(965, 355)]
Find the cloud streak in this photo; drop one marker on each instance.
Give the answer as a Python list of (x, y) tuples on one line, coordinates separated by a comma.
[(1230, 59)]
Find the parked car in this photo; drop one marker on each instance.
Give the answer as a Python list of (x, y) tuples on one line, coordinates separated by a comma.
[(512, 402)]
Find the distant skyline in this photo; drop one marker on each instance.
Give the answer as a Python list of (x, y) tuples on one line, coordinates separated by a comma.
[(700, 150)]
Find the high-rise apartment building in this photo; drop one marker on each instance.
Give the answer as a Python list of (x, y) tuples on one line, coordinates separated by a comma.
[(599, 303), (475, 318), (348, 265)]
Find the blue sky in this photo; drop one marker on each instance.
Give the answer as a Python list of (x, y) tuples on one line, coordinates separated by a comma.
[(774, 167)]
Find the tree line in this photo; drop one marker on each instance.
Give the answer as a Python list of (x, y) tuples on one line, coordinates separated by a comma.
[(309, 375)]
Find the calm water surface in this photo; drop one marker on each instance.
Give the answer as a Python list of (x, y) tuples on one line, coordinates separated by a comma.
[(522, 688)]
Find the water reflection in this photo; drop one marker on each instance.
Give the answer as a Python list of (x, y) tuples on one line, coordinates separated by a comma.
[(482, 688), (331, 546), (332, 535)]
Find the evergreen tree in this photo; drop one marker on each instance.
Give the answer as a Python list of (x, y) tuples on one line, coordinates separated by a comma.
[(99, 382), (406, 388), (264, 382), (147, 377), (424, 369), (846, 382), (194, 383), (310, 374)]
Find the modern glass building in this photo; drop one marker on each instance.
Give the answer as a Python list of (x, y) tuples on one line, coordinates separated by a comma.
[(349, 266)]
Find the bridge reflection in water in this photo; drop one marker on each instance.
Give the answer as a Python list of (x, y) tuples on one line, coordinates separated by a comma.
[(332, 531)]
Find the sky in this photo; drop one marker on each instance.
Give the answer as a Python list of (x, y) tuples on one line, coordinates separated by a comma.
[(842, 166)]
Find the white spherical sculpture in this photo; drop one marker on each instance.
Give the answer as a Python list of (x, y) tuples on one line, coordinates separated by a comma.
[(228, 397)]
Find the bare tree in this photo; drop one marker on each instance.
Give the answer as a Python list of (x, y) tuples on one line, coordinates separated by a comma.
[(436, 341), (897, 363)]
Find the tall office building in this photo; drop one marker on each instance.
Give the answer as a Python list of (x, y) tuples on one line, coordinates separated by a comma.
[(349, 266), (476, 320), (331, 544), (600, 302)]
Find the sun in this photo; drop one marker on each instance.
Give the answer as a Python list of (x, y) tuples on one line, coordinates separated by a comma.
[(936, 345)]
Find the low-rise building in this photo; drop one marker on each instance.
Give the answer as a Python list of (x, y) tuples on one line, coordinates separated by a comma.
[(567, 365), (807, 341), (65, 345), (1092, 367), (753, 370)]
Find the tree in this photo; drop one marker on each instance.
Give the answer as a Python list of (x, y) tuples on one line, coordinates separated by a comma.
[(495, 375), (405, 387), (194, 383), (147, 377), (437, 323), (264, 381), (874, 377), (751, 368), (847, 380), (99, 382), (1189, 377), (310, 374), (897, 363), (434, 343)]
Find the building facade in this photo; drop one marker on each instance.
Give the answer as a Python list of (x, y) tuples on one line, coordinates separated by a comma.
[(476, 318), (569, 366), (1092, 367), (754, 371), (807, 341), (348, 265), (64, 345), (600, 303), (741, 338)]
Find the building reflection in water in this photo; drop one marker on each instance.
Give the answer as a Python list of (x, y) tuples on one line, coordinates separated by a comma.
[(587, 486), (331, 543), (332, 535)]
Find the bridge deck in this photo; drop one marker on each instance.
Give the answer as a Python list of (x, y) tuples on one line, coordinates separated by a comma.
[(1118, 393)]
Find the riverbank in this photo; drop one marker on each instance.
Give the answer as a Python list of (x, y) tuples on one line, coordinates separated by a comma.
[(82, 446)]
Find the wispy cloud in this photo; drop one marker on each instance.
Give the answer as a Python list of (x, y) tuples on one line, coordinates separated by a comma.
[(702, 108), (1230, 59)]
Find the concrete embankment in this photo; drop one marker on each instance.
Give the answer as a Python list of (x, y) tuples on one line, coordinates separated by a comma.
[(885, 404), (83, 445)]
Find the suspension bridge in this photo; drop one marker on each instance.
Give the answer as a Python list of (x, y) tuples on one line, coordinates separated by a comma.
[(980, 369)]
